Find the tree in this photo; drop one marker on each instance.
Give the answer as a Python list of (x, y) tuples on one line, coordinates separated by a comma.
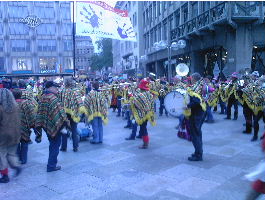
[(104, 58)]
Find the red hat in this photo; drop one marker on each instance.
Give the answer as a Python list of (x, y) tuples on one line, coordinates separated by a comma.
[(144, 85)]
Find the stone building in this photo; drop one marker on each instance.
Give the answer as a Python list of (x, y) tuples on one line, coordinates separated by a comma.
[(126, 54), (221, 36), (36, 37), (84, 50)]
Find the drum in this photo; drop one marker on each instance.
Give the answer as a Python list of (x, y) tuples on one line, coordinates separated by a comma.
[(175, 101)]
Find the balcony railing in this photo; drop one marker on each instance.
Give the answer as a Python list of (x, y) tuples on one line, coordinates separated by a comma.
[(210, 16), (223, 11)]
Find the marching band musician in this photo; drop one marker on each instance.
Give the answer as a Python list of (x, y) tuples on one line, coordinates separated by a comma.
[(142, 104), (197, 116), (96, 110), (52, 118), (28, 114), (73, 106), (162, 93), (232, 101)]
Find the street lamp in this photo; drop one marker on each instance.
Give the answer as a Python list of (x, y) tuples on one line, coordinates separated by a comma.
[(173, 46)]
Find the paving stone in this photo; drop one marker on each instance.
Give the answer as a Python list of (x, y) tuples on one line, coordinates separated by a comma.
[(150, 186), (193, 187), (182, 172), (120, 195)]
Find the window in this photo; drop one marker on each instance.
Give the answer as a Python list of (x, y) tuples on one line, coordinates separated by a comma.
[(159, 8), (171, 23), (17, 11), (1, 27), (150, 14), (147, 37), (155, 34), (20, 45), (145, 42), (47, 64), (68, 45), (46, 45), (185, 13), (165, 30), (151, 38), (159, 33), (18, 29), (205, 5), (65, 12), (1, 45), (135, 45), (154, 9), (46, 29), (144, 19), (45, 12), (164, 5), (2, 64), (19, 64), (177, 18), (147, 17), (194, 8)]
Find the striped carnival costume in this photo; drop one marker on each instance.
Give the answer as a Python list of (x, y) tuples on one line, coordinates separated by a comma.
[(28, 114), (142, 105), (96, 109), (73, 105), (52, 118)]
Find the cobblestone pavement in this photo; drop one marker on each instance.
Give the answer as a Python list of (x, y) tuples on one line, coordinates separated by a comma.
[(118, 170)]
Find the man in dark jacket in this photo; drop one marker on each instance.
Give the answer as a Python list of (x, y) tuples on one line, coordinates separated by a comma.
[(196, 120)]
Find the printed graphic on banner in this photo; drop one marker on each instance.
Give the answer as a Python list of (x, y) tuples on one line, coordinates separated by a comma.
[(100, 19)]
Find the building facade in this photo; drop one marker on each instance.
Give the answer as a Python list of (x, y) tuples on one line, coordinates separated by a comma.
[(36, 37), (84, 50), (126, 54), (221, 37)]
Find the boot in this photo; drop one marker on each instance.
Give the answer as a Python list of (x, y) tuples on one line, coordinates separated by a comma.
[(4, 179), (255, 138), (146, 142)]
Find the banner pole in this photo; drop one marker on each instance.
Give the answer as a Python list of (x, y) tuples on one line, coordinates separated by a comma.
[(74, 38)]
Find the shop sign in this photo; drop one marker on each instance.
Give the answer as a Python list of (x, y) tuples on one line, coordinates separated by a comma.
[(47, 71), (31, 21)]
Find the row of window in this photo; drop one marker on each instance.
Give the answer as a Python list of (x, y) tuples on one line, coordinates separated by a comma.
[(156, 8), (42, 45), (82, 51), (45, 63), (79, 59)]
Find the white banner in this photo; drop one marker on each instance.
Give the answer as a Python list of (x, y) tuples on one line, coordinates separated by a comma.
[(100, 19)]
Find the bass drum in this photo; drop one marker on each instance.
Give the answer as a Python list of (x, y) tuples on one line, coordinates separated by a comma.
[(175, 101)]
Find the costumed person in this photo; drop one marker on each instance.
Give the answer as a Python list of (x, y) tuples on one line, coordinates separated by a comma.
[(73, 105), (10, 134), (96, 110), (206, 93), (162, 93), (28, 114), (197, 115), (51, 117), (232, 101), (142, 104), (114, 99)]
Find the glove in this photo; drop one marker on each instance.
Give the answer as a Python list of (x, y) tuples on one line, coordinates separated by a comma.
[(38, 134)]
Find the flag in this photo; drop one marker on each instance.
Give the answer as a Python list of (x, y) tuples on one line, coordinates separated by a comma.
[(100, 19)]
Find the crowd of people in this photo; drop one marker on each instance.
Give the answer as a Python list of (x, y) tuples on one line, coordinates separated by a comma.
[(56, 108)]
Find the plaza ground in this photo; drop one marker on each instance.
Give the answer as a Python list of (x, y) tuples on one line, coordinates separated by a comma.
[(118, 170)]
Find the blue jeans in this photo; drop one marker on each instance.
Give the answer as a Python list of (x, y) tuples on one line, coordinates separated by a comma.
[(74, 136), (97, 129), (209, 115), (223, 106), (162, 106), (134, 129), (195, 123), (22, 151), (128, 117), (54, 146), (119, 105)]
